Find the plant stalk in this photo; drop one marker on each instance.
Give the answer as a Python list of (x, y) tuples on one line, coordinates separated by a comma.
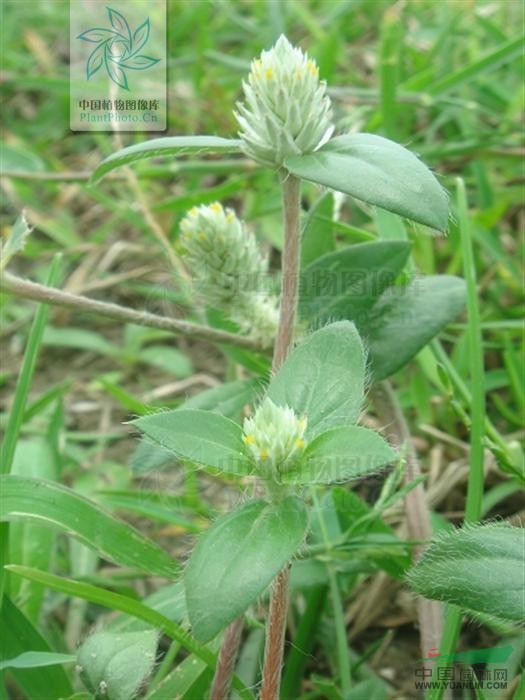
[(226, 661), (279, 600), (276, 624), (48, 295)]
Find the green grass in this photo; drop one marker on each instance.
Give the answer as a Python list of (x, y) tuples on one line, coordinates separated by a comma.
[(444, 79)]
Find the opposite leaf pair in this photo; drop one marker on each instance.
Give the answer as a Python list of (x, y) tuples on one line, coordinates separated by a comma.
[(311, 403), (309, 438)]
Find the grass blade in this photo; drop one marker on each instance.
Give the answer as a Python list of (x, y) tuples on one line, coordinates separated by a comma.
[(115, 601)]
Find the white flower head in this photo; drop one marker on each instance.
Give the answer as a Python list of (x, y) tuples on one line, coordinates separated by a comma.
[(228, 268), (275, 436), (286, 110)]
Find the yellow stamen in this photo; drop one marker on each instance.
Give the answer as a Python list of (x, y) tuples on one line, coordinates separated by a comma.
[(248, 439), (300, 443), (230, 216), (202, 236), (264, 454), (193, 211), (216, 207), (302, 423), (312, 68), (269, 73)]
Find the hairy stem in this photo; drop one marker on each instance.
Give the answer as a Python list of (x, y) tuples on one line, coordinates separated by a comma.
[(39, 292), (276, 624), (290, 270), (226, 661), (275, 632)]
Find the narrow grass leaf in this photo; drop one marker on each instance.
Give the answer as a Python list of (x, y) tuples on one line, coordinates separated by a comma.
[(55, 505), (115, 601)]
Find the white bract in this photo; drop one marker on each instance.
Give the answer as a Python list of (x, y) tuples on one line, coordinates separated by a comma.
[(228, 268), (286, 110), (274, 436)]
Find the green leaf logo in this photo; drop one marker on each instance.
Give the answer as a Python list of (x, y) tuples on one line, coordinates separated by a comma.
[(117, 49)]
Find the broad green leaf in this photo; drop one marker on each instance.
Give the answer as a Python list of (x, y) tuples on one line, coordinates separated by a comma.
[(340, 454), (317, 237), (37, 659), (55, 505), (125, 604), (15, 241), (346, 283), (323, 378), (227, 399), (237, 558), (18, 635), (480, 568), (378, 171), (405, 319), (202, 437), (168, 146), (119, 661)]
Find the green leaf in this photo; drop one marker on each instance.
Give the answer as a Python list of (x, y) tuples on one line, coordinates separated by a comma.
[(356, 515), (237, 558), (16, 240), (37, 659), (227, 399), (317, 237), (125, 604), (479, 568), (340, 454), (405, 319), (118, 662), (55, 505), (19, 635), (323, 378), (345, 284), (167, 359), (165, 147), (30, 543), (378, 171), (202, 437)]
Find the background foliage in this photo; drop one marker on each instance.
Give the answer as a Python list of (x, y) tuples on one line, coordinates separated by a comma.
[(443, 78)]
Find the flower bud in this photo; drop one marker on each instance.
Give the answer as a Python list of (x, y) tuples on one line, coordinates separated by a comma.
[(286, 110), (229, 270), (274, 436)]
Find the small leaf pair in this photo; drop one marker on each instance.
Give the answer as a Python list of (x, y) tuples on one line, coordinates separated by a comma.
[(322, 383)]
